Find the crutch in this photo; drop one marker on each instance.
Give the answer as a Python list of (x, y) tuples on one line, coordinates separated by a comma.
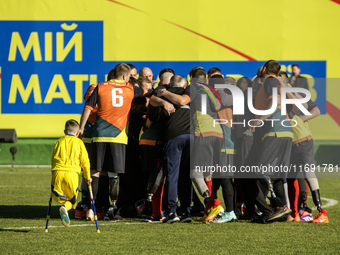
[(93, 206)]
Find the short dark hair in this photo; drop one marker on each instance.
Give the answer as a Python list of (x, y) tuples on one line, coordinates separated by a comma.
[(110, 75), (259, 73), (214, 70), (272, 67), (199, 73), (166, 70), (131, 66), (199, 76), (295, 65), (71, 126), (119, 70), (192, 71)]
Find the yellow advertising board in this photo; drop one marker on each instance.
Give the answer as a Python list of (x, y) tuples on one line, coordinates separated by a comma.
[(51, 51)]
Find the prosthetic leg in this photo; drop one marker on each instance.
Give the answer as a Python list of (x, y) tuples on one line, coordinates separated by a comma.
[(154, 181), (201, 186), (145, 207), (268, 184), (113, 192)]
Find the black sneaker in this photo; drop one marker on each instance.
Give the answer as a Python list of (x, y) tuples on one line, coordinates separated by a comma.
[(186, 218), (110, 214), (247, 216), (198, 210), (279, 213), (263, 219), (171, 218)]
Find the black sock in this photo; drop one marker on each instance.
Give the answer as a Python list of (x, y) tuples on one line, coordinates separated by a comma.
[(303, 191), (102, 198), (228, 193), (280, 193)]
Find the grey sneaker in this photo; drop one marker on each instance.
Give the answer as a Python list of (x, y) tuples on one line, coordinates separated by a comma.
[(279, 213)]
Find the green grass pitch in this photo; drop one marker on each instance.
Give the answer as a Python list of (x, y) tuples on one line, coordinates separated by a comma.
[(24, 201)]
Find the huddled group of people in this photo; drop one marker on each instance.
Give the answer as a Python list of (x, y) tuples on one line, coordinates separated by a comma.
[(157, 149)]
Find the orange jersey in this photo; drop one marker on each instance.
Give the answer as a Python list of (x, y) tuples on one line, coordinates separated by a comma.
[(114, 100)]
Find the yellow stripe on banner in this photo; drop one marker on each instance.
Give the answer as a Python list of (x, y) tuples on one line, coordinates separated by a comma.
[(279, 134)]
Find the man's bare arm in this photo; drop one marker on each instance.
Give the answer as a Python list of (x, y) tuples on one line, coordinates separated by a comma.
[(176, 99), (84, 117), (315, 112), (159, 102)]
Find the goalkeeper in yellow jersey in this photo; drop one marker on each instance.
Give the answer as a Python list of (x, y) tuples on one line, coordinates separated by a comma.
[(68, 158)]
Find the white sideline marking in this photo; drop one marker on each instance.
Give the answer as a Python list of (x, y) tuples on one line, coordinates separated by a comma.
[(12, 186), (77, 225), (330, 202), (25, 166)]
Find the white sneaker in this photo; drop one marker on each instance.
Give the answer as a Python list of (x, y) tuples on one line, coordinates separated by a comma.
[(65, 219)]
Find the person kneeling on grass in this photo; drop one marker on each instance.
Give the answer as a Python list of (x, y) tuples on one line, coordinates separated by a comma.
[(68, 158)]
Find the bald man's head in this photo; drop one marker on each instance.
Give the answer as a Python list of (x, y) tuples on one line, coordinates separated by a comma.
[(178, 81), (146, 72), (165, 78)]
